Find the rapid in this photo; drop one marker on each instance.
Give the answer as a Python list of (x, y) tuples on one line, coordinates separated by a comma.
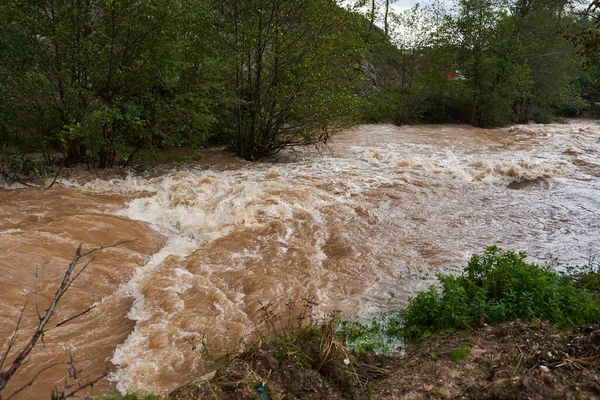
[(357, 226)]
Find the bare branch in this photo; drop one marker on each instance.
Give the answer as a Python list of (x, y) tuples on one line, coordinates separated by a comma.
[(13, 337), (68, 279), (79, 385), (107, 247), (75, 316), (79, 273), (37, 292), (87, 384), (33, 379), (70, 373), (62, 165)]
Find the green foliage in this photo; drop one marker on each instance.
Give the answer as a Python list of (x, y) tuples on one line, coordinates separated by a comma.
[(495, 286), (292, 76), (14, 167), (488, 63), (585, 277), (498, 286), (20, 165), (379, 335), (459, 353), (97, 81), (92, 79)]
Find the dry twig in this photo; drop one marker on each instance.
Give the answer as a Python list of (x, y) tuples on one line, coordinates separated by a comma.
[(68, 278)]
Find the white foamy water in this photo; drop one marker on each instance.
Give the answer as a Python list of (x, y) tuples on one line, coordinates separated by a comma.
[(358, 228)]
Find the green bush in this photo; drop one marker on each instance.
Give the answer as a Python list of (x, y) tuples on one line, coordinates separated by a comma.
[(498, 286), (584, 277)]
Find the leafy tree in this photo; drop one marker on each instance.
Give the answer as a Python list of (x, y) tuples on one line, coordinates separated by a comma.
[(94, 77), (476, 24), (293, 77), (540, 31), (426, 55)]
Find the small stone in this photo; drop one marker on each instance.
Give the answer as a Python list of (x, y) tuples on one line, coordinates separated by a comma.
[(346, 361), (543, 368)]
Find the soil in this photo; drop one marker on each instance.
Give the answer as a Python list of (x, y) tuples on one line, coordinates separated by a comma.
[(508, 361)]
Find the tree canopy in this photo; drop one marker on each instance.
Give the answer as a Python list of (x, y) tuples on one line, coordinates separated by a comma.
[(95, 81)]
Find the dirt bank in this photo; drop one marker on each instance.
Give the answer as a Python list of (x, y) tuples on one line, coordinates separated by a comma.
[(507, 361)]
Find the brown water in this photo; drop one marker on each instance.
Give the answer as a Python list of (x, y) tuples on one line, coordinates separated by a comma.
[(359, 226)]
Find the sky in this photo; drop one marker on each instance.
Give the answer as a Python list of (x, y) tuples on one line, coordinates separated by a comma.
[(397, 5), (400, 5)]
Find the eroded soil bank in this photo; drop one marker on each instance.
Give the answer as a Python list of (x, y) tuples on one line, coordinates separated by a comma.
[(507, 361)]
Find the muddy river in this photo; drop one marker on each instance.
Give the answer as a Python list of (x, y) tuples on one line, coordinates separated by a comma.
[(358, 227)]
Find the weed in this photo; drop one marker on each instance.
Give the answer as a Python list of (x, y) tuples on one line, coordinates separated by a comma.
[(585, 277), (459, 353), (378, 335)]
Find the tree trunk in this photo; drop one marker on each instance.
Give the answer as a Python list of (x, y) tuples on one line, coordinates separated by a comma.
[(385, 18)]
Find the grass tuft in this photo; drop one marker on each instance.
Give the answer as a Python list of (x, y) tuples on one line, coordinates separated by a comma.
[(459, 353)]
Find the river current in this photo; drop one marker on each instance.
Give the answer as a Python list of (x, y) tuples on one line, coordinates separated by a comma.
[(358, 227)]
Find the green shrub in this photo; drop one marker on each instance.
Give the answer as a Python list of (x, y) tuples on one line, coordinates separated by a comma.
[(584, 277), (497, 286)]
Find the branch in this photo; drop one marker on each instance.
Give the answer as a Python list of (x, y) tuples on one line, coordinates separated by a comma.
[(73, 372), (15, 178), (67, 280), (33, 379), (37, 290), (107, 247), (14, 337), (87, 384), (76, 316)]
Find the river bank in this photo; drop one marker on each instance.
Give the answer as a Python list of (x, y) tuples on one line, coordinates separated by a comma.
[(507, 361)]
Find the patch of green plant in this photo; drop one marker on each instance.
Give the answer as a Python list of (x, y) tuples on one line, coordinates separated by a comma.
[(498, 286), (459, 353), (378, 335), (584, 277)]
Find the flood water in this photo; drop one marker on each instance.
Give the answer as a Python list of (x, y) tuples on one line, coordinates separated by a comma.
[(358, 226)]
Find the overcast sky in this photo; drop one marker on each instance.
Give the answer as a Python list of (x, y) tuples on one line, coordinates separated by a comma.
[(404, 4), (397, 5)]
